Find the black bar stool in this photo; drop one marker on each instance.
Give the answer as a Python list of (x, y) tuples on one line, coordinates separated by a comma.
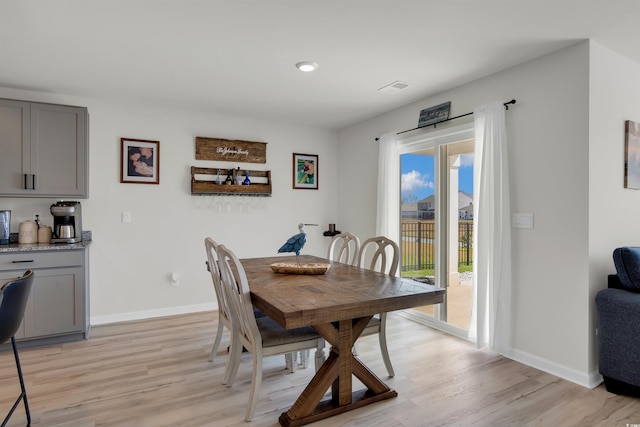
[(15, 294)]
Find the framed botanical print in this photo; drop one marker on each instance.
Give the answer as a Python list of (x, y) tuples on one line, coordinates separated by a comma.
[(305, 171)]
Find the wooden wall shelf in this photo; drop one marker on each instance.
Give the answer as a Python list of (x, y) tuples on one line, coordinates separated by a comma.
[(260, 183)]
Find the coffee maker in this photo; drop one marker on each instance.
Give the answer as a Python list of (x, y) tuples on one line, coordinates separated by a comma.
[(67, 222)]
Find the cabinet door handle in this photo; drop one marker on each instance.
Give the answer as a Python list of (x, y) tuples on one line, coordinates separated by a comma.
[(26, 182), (21, 261)]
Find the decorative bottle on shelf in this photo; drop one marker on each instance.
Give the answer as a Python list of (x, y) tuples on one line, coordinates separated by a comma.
[(238, 176), (229, 179), (246, 181), (218, 180)]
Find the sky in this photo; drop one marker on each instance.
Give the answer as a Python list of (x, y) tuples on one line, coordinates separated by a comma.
[(418, 176)]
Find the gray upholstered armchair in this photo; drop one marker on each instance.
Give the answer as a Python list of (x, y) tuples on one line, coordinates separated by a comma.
[(618, 309)]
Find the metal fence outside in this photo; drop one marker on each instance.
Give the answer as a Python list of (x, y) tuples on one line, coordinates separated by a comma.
[(418, 244)]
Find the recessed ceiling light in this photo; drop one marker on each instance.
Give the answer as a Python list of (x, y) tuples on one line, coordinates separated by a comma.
[(306, 66)]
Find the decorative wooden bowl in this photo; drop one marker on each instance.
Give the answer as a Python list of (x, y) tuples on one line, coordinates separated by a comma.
[(294, 268)]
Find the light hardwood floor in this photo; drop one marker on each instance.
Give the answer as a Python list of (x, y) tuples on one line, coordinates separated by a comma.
[(155, 373)]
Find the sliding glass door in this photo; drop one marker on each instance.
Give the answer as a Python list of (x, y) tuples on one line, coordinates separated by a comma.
[(436, 227)]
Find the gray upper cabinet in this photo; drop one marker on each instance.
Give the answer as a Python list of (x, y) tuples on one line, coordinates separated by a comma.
[(15, 140), (44, 150)]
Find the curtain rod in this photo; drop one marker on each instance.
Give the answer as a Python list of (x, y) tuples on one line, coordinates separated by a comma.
[(506, 105)]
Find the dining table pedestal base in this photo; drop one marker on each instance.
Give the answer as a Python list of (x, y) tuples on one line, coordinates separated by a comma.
[(337, 373), (328, 409)]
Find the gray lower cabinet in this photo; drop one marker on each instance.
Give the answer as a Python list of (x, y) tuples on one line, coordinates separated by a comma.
[(44, 150), (57, 309)]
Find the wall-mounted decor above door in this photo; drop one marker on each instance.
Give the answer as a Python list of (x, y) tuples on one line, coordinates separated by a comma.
[(230, 150), (433, 115)]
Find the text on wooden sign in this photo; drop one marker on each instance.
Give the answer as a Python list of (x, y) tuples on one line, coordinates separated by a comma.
[(230, 150)]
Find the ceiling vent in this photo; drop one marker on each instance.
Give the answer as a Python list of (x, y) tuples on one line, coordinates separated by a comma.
[(394, 87)]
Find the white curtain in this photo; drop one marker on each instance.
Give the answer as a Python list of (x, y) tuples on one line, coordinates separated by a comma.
[(492, 240), (388, 208)]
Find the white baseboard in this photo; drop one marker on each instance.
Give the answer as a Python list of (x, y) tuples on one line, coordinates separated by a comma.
[(588, 380), (149, 314)]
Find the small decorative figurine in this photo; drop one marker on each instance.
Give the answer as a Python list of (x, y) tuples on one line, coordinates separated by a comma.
[(296, 242), (246, 181)]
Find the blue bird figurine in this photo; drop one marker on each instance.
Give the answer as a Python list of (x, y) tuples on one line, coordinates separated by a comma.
[(296, 243)]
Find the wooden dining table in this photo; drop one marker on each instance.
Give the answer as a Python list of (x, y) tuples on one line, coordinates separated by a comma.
[(339, 305)]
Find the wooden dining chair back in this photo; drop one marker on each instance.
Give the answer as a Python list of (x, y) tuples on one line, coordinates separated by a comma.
[(382, 255), (344, 248), (261, 336), (224, 311), (15, 294), (379, 254)]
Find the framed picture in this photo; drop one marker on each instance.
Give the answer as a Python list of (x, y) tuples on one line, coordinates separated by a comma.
[(305, 171), (632, 155), (139, 161), (433, 115)]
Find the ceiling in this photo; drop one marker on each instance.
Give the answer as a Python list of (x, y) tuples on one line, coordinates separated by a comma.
[(236, 57)]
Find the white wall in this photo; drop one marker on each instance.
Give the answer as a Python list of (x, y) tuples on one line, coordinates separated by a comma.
[(548, 133), (613, 210), (131, 263)]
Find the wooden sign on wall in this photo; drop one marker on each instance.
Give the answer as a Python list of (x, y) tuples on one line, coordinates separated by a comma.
[(230, 150)]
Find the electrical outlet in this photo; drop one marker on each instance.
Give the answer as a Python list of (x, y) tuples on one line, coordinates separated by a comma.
[(126, 217), (175, 279)]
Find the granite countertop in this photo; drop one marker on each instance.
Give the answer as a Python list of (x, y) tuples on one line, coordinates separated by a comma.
[(14, 246)]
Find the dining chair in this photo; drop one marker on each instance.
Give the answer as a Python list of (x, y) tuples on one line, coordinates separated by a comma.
[(382, 255), (224, 312), (344, 248), (262, 336), (14, 296)]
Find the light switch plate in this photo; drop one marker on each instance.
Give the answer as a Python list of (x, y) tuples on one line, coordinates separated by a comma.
[(522, 220)]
